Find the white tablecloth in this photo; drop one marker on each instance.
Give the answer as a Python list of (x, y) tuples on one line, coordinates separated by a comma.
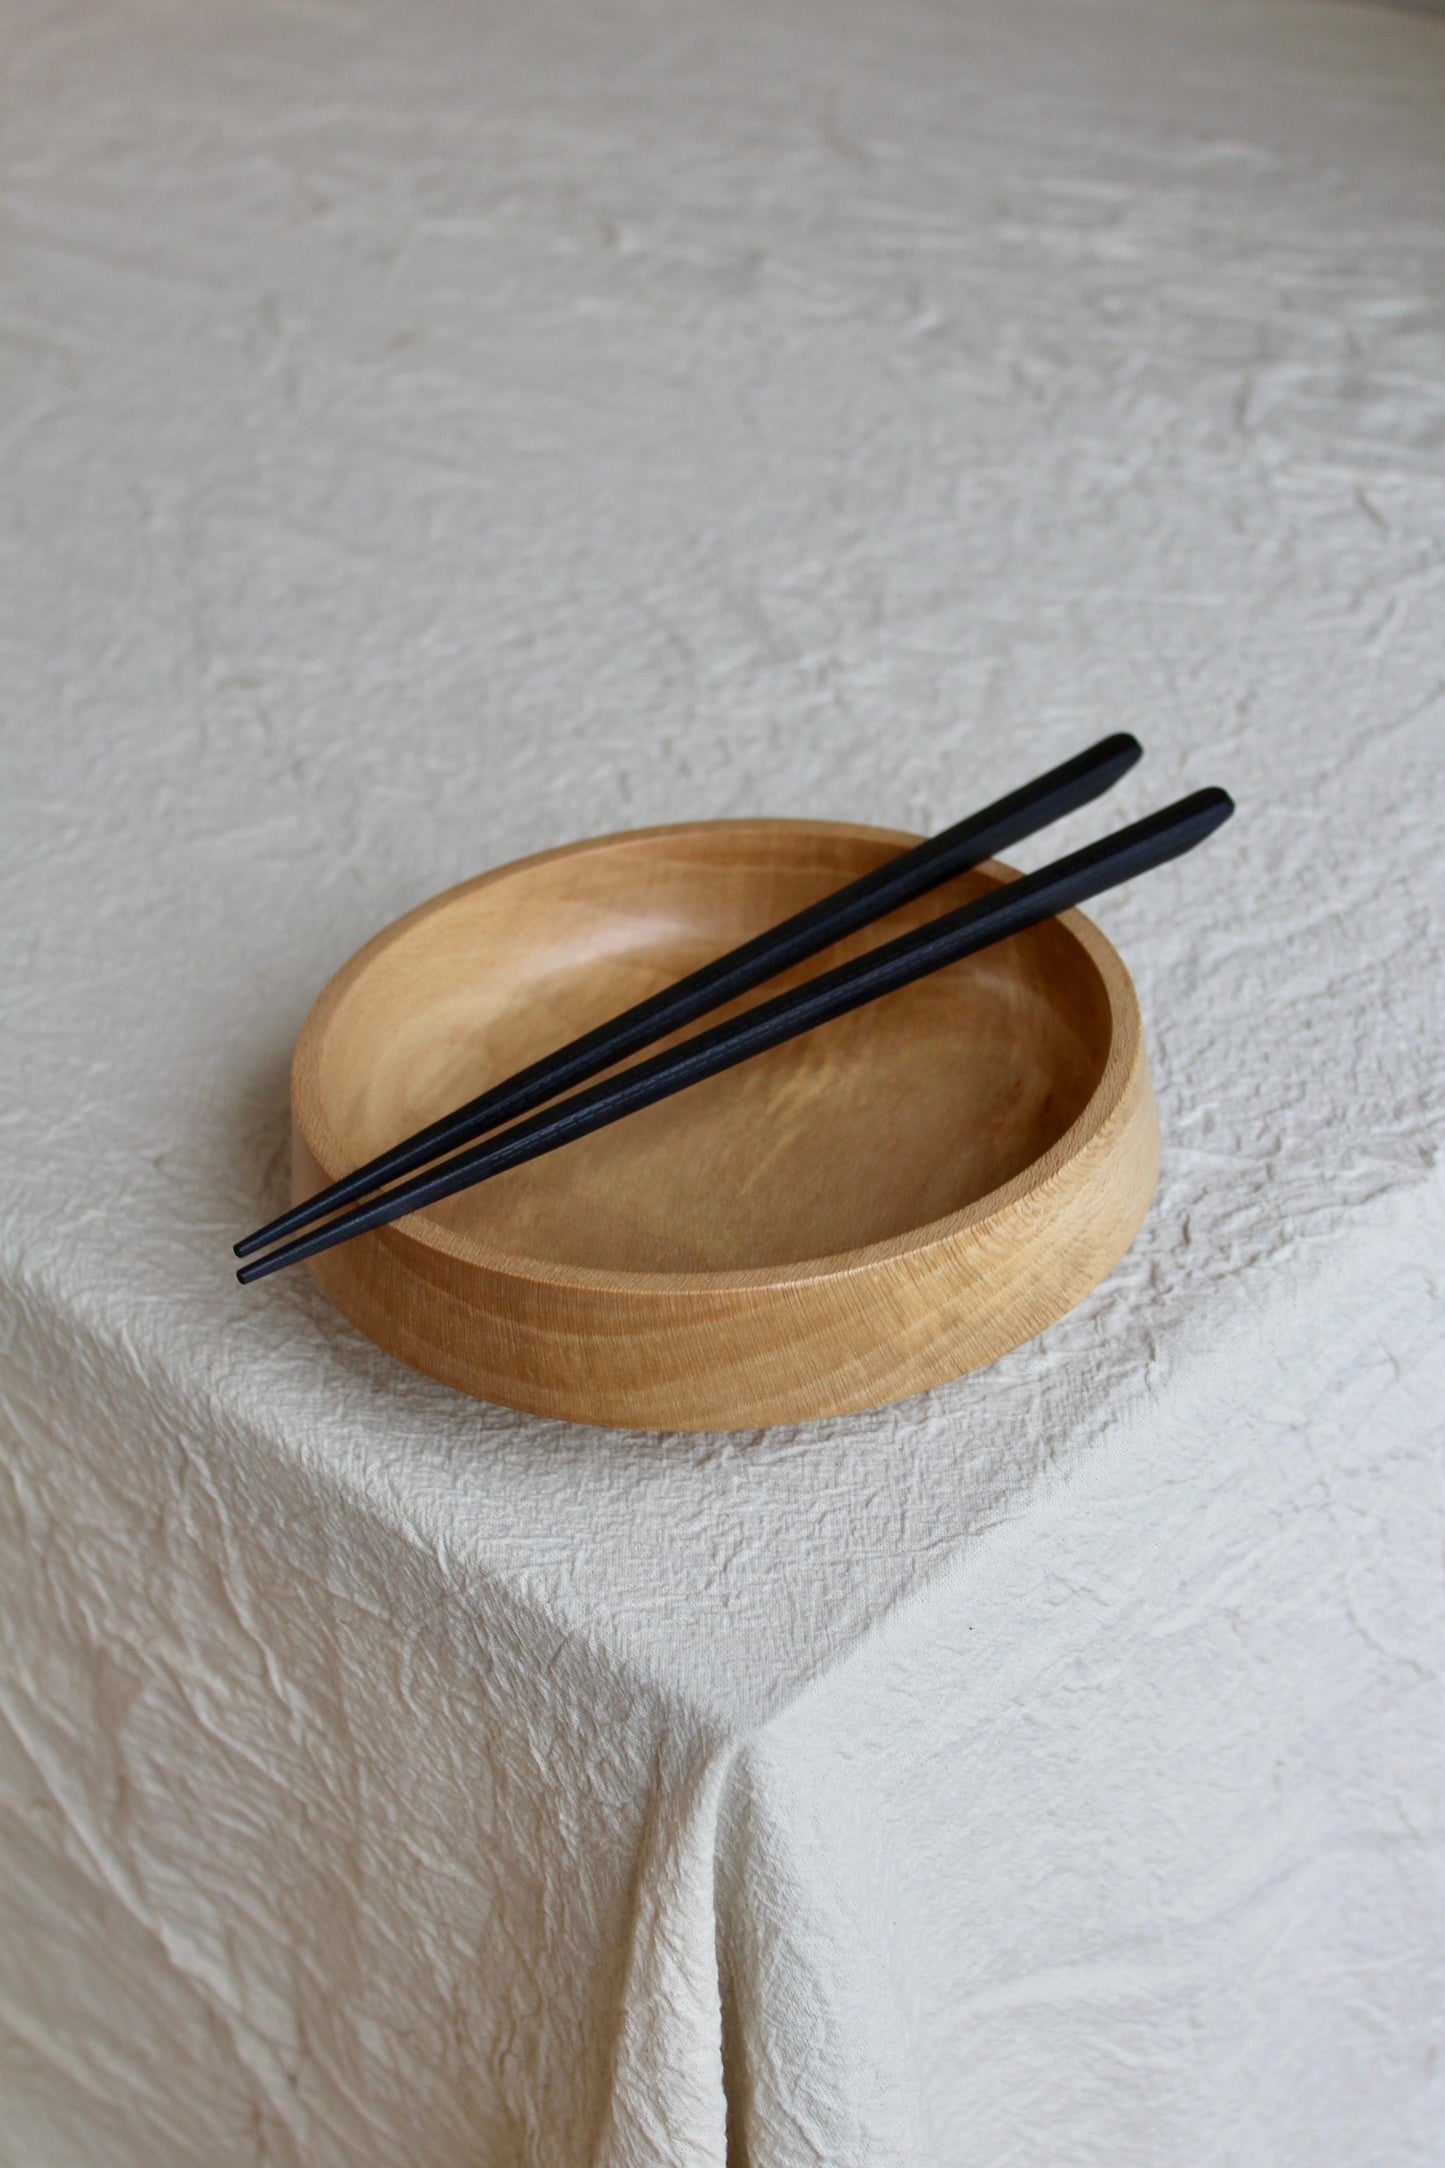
[(435, 431)]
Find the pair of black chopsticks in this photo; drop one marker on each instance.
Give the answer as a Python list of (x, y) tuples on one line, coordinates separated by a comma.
[(1020, 903)]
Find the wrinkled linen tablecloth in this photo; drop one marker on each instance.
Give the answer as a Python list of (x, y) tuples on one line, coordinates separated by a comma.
[(432, 432)]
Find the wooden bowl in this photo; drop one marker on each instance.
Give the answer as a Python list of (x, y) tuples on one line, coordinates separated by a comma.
[(881, 1205)]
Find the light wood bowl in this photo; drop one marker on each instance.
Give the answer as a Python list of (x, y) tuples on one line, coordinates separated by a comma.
[(881, 1205)]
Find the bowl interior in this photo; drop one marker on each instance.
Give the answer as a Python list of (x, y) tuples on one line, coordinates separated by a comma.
[(862, 1131)]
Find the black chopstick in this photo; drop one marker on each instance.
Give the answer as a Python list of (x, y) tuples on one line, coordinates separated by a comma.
[(912, 873), (1020, 903)]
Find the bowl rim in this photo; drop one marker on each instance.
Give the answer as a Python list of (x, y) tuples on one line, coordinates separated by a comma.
[(417, 1232)]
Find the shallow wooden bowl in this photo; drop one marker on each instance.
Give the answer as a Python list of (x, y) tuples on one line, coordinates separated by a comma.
[(885, 1203)]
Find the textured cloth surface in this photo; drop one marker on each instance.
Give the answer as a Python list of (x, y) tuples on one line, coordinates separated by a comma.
[(435, 431)]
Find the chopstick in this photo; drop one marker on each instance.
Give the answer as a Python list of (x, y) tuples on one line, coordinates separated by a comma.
[(913, 873), (1019, 904)]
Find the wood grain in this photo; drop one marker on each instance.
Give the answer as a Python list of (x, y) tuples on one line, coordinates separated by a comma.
[(881, 1205)]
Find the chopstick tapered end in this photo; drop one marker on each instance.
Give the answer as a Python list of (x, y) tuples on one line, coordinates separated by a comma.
[(263, 1237)]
